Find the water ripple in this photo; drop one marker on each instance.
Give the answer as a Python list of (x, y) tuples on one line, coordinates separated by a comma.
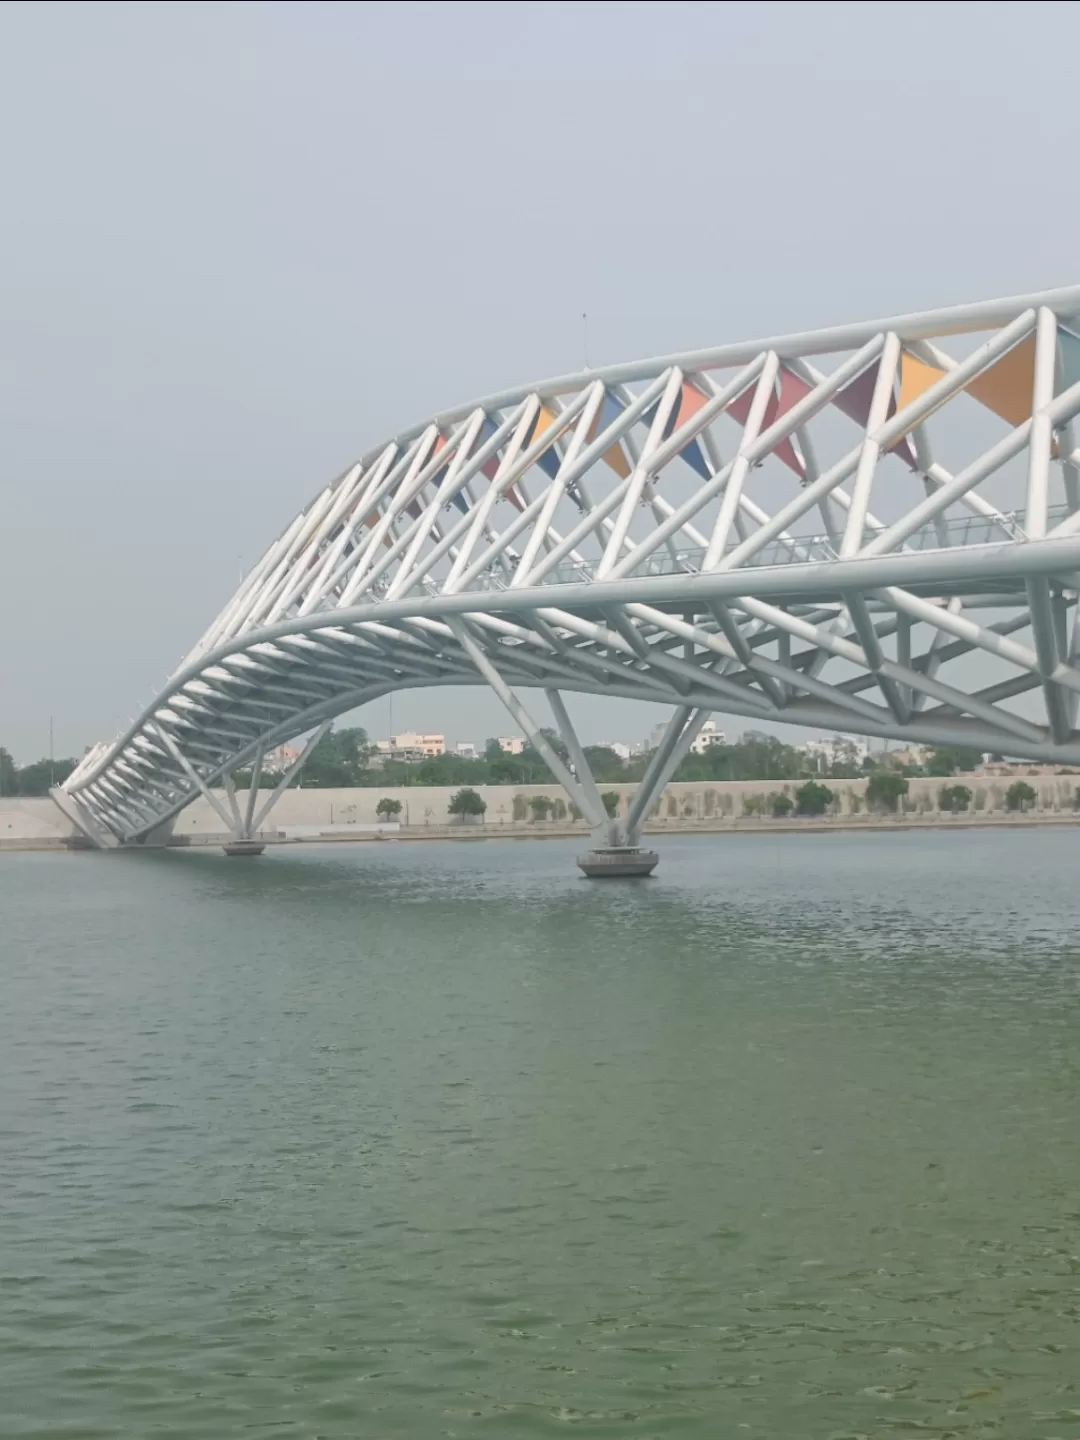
[(434, 1140)]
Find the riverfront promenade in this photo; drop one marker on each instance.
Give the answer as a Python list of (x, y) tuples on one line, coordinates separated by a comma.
[(691, 807)]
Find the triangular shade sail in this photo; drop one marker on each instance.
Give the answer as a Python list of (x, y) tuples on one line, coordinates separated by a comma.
[(690, 402), (615, 457), (792, 390), (549, 460), (854, 401), (1006, 387)]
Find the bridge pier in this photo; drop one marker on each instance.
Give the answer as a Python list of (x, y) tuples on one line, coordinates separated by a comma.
[(617, 851), (244, 847), (245, 828)]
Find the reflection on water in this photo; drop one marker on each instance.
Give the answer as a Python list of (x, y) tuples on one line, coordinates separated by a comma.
[(409, 1141)]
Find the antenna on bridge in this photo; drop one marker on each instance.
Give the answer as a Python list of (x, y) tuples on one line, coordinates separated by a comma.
[(585, 337)]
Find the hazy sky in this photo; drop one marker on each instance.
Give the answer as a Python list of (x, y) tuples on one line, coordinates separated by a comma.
[(243, 243)]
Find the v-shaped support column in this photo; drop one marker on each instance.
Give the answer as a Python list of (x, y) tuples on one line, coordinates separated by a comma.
[(243, 828), (583, 794), (682, 730)]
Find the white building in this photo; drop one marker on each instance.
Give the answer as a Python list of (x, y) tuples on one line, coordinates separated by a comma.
[(465, 750), (413, 742), (409, 746), (511, 744), (709, 735), (619, 748)]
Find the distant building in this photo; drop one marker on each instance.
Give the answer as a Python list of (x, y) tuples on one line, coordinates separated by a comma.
[(709, 735), (408, 747), (829, 750), (914, 755), (465, 750), (617, 747), (413, 742), (511, 745), (278, 760), (1013, 768)]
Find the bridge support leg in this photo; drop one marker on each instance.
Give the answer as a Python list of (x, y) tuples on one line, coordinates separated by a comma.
[(617, 852), (682, 730), (95, 835), (614, 855), (246, 827)]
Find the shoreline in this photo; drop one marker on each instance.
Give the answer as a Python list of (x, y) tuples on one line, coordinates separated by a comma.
[(429, 834)]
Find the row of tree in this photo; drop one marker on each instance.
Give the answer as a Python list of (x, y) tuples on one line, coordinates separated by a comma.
[(342, 759), (35, 779), (884, 791)]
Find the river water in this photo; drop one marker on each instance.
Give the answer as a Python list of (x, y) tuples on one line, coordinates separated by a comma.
[(443, 1140)]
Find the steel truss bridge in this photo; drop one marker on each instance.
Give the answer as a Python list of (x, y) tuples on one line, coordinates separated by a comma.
[(872, 529)]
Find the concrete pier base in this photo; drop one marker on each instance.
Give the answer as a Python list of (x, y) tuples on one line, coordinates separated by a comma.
[(618, 862), (244, 847)]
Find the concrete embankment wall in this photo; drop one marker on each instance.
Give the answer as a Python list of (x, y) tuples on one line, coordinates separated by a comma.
[(26, 822)]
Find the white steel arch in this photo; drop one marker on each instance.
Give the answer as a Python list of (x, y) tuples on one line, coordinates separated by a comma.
[(874, 528)]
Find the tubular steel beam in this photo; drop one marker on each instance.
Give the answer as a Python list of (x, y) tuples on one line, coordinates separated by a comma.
[(587, 534)]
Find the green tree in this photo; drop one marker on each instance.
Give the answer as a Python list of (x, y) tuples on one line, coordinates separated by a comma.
[(508, 769), (884, 789), (604, 764), (813, 798), (8, 774), (39, 777), (954, 798), (466, 803), (847, 762), (782, 805), (519, 807), (388, 808), (1019, 796), (438, 770), (754, 757), (948, 759), (540, 806), (556, 742), (338, 760), (610, 799)]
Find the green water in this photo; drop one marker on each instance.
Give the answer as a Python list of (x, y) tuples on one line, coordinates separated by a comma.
[(411, 1141)]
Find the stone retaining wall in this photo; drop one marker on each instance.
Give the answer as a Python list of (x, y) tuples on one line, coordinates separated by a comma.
[(685, 803)]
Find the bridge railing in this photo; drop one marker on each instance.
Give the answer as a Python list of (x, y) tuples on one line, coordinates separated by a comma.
[(802, 549)]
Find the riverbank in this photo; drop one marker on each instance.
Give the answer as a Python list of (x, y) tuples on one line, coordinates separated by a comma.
[(552, 830)]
